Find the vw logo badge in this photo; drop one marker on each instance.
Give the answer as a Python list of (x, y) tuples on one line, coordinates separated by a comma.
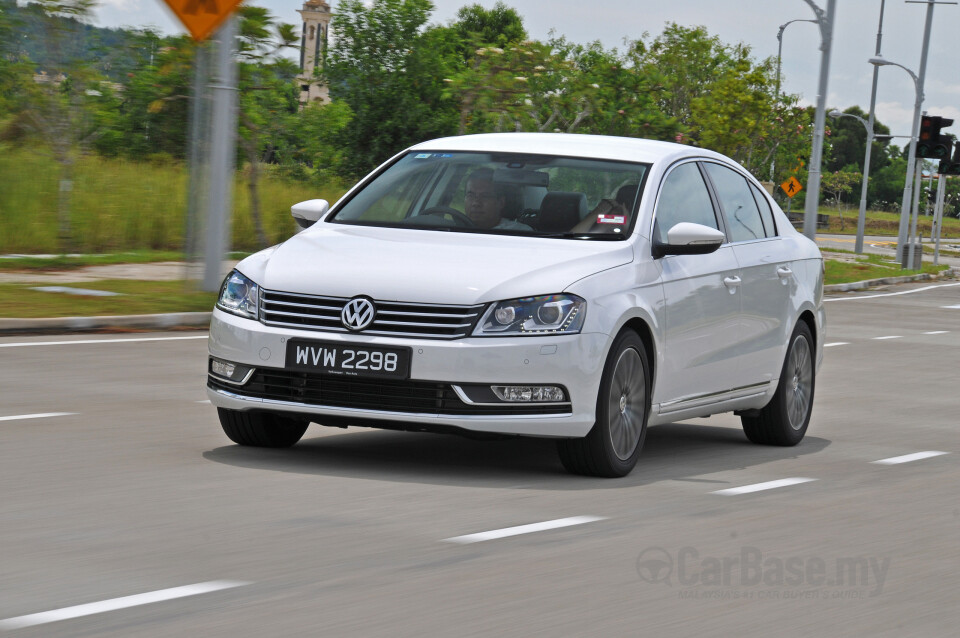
[(358, 313)]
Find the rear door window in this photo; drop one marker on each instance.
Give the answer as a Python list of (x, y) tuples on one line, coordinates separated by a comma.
[(739, 208)]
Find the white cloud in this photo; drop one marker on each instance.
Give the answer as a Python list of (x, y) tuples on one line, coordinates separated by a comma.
[(126, 6)]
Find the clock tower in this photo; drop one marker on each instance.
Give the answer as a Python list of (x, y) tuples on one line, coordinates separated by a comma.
[(313, 43)]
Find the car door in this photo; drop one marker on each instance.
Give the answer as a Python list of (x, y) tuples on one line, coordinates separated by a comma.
[(765, 269), (702, 300)]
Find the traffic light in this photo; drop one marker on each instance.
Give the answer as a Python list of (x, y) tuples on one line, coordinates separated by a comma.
[(951, 166), (932, 143)]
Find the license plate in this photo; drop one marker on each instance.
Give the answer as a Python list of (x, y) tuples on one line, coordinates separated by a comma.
[(348, 359)]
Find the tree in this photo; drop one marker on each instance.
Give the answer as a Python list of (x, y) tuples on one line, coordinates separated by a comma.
[(848, 139), (268, 95), (836, 185), (387, 68), (496, 27), (59, 107), (154, 112), (719, 96)]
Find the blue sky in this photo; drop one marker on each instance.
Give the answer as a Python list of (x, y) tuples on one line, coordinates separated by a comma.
[(753, 22)]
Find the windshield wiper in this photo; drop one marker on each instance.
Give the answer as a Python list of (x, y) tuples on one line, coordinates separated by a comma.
[(585, 236)]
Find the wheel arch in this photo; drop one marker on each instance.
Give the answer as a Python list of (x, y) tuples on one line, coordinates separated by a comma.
[(808, 318), (642, 329)]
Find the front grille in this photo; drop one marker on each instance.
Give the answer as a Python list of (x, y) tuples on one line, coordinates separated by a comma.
[(394, 318), (411, 397)]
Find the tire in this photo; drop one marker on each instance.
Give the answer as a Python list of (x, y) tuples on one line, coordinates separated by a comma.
[(613, 445), (784, 420), (261, 429)]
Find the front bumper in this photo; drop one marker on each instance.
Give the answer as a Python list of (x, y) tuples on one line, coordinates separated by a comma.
[(428, 398)]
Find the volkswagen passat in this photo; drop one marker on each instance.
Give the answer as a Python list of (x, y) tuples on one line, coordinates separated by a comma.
[(565, 286)]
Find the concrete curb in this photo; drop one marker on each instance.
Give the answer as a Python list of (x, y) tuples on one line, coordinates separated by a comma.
[(164, 321), (887, 281)]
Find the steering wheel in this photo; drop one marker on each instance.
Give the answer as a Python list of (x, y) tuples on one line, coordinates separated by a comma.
[(459, 219)]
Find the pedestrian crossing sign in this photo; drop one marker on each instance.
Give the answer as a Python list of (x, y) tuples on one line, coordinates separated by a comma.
[(791, 187)]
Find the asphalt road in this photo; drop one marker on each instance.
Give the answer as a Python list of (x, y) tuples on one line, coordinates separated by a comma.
[(132, 514)]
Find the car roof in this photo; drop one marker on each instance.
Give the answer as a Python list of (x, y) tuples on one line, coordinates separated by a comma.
[(628, 149)]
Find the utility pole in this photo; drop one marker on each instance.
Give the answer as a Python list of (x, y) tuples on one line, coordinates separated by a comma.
[(825, 21), (938, 215), (905, 207), (871, 120), (223, 144)]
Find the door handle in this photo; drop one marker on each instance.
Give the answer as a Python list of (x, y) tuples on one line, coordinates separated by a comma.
[(783, 272), (731, 283)]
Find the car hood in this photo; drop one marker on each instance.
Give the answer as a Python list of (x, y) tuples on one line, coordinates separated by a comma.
[(391, 264)]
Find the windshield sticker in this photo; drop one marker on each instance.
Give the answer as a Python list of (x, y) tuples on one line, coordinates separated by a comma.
[(611, 219), (421, 156)]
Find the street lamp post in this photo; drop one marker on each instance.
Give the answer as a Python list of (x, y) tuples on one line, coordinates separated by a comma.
[(825, 20), (861, 219), (918, 83), (907, 204), (780, 50), (776, 98)]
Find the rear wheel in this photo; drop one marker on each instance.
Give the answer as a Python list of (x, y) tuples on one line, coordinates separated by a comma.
[(261, 429), (785, 419), (623, 405)]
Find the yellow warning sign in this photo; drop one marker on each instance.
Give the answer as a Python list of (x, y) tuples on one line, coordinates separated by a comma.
[(202, 17), (792, 186)]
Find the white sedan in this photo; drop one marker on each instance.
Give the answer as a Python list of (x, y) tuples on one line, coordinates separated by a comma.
[(566, 286)]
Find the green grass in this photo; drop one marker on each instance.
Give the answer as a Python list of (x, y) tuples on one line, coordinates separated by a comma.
[(869, 267), (72, 262), (883, 224), (139, 298), (120, 205)]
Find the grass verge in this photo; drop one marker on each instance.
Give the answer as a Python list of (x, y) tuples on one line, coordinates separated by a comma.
[(863, 267), (72, 262), (138, 298)]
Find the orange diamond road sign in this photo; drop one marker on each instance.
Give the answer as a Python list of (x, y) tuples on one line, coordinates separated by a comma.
[(791, 187), (202, 17)]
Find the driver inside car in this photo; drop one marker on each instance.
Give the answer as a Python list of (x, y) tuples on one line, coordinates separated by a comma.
[(484, 203)]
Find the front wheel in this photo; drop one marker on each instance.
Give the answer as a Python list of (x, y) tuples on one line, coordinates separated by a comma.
[(785, 419), (623, 405), (261, 429)]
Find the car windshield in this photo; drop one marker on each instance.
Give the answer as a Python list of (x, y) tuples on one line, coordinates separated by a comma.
[(536, 195)]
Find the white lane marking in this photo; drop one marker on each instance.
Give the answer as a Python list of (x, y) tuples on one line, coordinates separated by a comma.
[(41, 415), (73, 343), (888, 337), (523, 529), (759, 487), (906, 458), (204, 401), (890, 294), (836, 343), (956, 307), (937, 332), (118, 603)]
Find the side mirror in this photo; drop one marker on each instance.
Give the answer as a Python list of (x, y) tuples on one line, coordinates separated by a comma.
[(307, 213), (687, 238)]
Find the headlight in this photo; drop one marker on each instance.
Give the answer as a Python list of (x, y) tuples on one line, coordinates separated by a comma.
[(546, 315), (239, 295)]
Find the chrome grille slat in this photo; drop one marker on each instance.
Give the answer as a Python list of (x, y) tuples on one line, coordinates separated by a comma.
[(274, 302), (426, 314), (394, 318), (409, 324), (285, 313)]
